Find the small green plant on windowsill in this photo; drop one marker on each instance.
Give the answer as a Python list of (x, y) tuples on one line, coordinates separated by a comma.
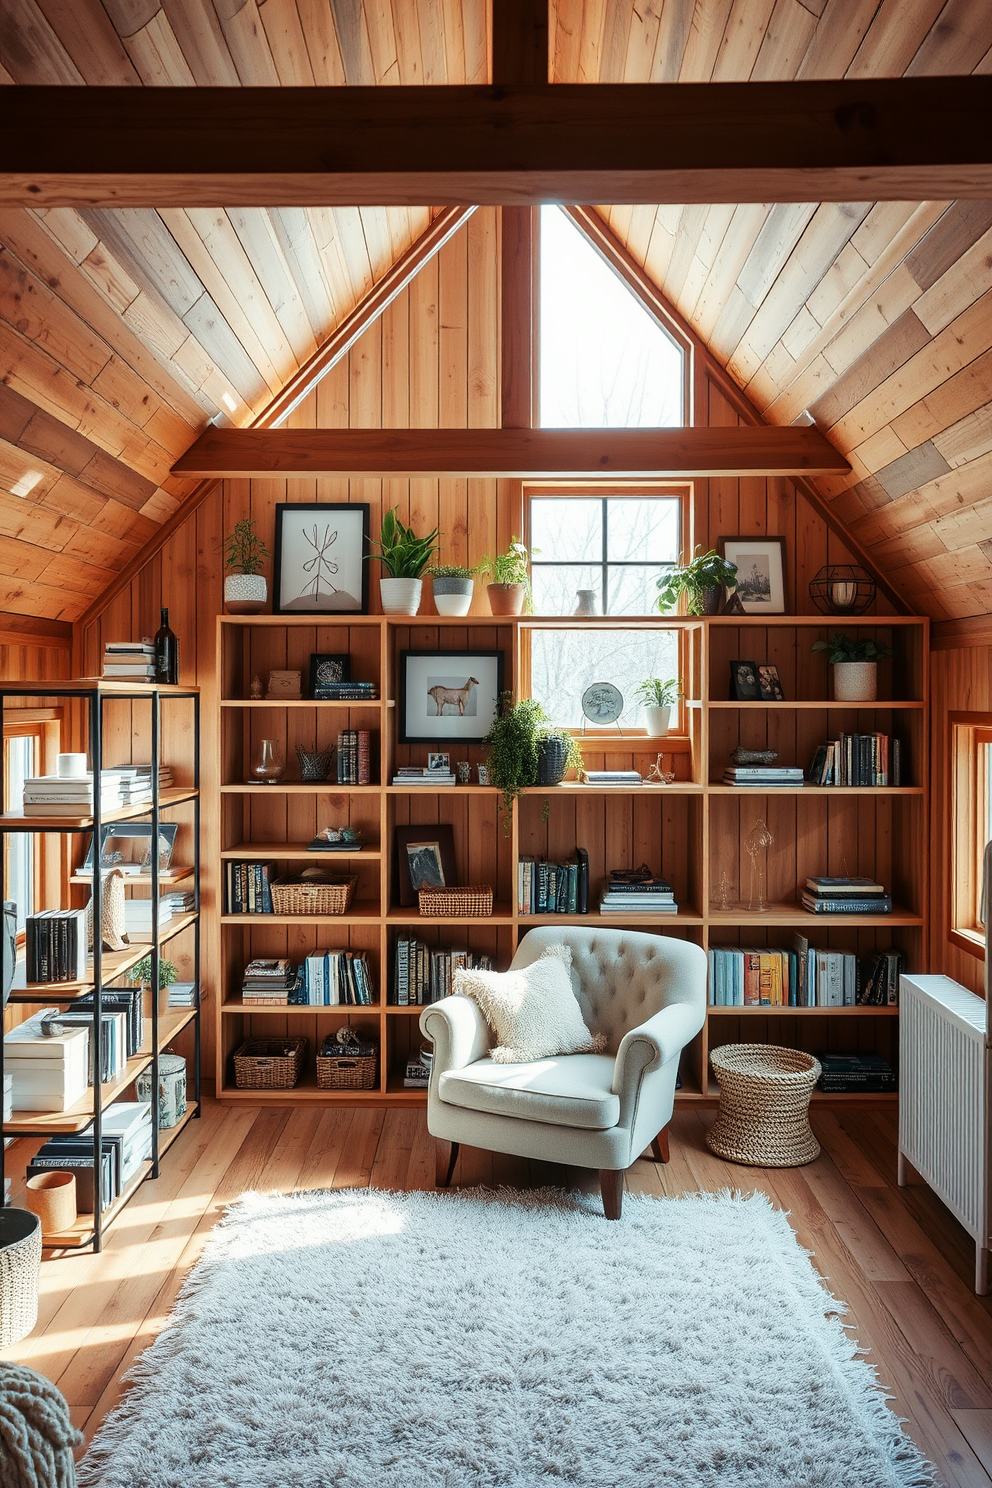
[(654, 693), (508, 589), (697, 584)]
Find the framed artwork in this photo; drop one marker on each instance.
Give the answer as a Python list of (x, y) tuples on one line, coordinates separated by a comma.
[(327, 670), (128, 846), (744, 681), (439, 762), (425, 858), (448, 695), (320, 553), (760, 572), (769, 683)]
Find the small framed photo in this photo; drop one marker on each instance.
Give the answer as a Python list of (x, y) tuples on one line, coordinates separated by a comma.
[(744, 681), (439, 764), (425, 859), (128, 846), (448, 695), (769, 683), (760, 572), (327, 670), (320, 559)]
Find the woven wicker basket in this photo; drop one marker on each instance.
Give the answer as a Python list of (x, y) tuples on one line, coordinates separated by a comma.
[(270, 1064), (20, 1260), (346, 1071), (469, 902), (763, 1118), (292, 895)]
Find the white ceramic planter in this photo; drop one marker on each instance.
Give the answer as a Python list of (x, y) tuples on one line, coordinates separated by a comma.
[(400, 596), (658, 720), (245, 594), (453, 596), (855, 681)]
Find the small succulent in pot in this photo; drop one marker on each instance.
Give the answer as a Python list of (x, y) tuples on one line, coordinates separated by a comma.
[(453, 586), (508, 589), (658, 698), (245, 587), (697, 585)]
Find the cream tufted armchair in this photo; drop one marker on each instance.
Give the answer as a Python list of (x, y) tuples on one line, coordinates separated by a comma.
[(647, 993)]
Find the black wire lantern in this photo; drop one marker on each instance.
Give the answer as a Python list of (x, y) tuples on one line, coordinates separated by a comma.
[(842, 589)]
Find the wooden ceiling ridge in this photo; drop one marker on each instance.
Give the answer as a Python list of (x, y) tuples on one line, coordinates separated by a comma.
[(906, 138)]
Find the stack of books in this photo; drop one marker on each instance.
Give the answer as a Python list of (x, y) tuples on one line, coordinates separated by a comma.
[(354, 755), (183, 995), (8, 1099), (268, 983), (423, 974), (345, 692), (648, 896), (857, 759), (180, 901), (335, 978), (248, 889), (611, 777), (827, 896), (865, 1074), (138, 917), (764, 777), (125, 661), (49, 1074), (120, 999), (57, 795), (113, 1037), (126, 1143), (55, 946), (553, 888), (413, 775)]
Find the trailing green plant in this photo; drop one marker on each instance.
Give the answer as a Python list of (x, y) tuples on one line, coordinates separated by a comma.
[(450, 571), (841, 648), (244, 550), (402, 553), (513, 743), (653, 693), (694, 580), (167, 972)]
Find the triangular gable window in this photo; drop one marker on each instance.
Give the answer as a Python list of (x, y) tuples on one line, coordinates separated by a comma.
[(605, 362)]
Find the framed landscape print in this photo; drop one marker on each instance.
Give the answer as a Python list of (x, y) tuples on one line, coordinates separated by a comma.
[(760, 572), (425, 859), (320, 559), (448, 695)]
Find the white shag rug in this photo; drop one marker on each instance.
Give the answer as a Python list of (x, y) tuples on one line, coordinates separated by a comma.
[(358, 1339)]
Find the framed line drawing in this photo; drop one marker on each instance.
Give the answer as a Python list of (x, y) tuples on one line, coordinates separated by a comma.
[(448, 695), (320, 553), (760, 572)]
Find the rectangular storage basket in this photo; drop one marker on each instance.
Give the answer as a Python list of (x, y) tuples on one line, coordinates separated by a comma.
[(270, 1064), (346, 1071), (304, 896), (467, 902)]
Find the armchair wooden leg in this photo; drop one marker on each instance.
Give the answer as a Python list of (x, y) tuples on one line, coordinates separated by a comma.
[(659, 1147), (611, 1187), (445, 1157)]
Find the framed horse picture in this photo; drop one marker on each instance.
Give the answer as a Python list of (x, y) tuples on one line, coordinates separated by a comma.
[(448, 695), (320, 563)]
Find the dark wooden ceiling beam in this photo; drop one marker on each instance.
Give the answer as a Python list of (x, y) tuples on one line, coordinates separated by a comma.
[(510, 453), (868, 139)]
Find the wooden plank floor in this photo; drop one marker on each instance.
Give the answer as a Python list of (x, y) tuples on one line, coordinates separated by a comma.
[(898, 1259)]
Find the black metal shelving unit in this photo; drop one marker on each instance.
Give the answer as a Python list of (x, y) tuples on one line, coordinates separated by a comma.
[(107, 967)]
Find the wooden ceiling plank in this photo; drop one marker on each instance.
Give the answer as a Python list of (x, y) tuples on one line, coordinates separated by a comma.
[(35, 312), (967, 439), (68, 229), (143, 245), (960, 286), (33, 631), (224, 347), (626, 143), (475, 28), (95, 48), (378, 21), (948, 403), (894, 38), (737, 243), (29, 598), (745, 31), (330, 61), (512, 452), (198, 32), (956, 230), (291, 226), (842, 26), (431, 18), (455, 66), (256, 232), (408, 48), (706, 32), (247, 42), (786, 41), (886, 354), (30, 50), (157, 56), (955, 43), (281, 22)]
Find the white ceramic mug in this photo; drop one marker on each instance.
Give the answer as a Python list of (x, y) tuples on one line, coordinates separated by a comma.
[(71, 766)]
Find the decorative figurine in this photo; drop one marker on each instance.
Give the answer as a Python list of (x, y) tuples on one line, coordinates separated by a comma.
[(659, 773), (742, 756), (759, 840), (256, 687)]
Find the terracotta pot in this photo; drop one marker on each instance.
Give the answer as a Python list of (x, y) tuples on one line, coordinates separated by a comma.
[(855, 681), (245, 594), (506, 599), (52, 1196), (400, 596)]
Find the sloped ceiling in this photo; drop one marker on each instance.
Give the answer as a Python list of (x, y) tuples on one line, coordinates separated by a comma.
[(123, 332)]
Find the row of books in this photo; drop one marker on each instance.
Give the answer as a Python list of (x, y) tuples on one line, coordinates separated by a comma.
[(354, 757), (768, 777), (627, 895), (826, 896), (335, 978), (73, 795), (345, 692), (863, 1074), (126, 1142), (56, 945), (269, 982), (423, 974), (247, 886), (857, 759), (545, 887), (802, 976), (129, 660)]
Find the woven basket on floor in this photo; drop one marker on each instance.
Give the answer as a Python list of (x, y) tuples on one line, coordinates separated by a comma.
[(763, 1118), (20, 1260), (467, 902), (270, 1064), (292, 895)]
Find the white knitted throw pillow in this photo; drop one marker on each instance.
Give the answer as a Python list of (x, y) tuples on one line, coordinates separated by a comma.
[(532, 1010)]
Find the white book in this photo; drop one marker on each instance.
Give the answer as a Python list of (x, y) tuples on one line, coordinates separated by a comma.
[(27, 1041), (127, 1118)]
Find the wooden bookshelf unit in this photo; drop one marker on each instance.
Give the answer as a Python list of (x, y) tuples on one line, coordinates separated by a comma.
[(691, 830)]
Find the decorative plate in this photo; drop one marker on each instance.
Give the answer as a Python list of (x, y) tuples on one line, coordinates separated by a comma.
[(602, 703)]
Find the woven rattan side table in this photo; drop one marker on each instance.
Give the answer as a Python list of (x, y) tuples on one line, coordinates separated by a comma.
[(763, 1118)]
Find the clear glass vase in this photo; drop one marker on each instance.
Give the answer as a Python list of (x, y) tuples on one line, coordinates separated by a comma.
[(268, 766), (759, 840)]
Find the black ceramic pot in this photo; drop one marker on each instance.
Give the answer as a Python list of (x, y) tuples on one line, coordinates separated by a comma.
[(552, 761)]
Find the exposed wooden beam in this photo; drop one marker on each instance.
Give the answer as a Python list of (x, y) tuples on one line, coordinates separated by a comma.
[(510, 453), (519, 30), (867, 139), (517, 317), (27, 630)]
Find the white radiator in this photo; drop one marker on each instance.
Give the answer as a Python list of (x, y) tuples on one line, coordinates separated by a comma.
[(944, 1070)]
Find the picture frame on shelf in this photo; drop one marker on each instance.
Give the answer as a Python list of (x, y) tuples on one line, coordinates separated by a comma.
[(327, 670), (438, 763), (448, 696), (424, 850), (760, 572), (128, 846), (744, 682), (769, 683), (320, 565)]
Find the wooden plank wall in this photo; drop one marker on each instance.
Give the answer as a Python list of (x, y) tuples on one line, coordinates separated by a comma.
[(432, 361)]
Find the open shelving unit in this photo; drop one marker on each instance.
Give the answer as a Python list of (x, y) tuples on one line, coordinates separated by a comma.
[(690, 830), (112, 721)]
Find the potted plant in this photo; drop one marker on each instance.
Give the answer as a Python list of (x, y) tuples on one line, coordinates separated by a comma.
[(697, 585), (404, 556), (855, 664), (558, 751), (508, 589), (245, 588), (658, 698), (452, 587), (141, 976)]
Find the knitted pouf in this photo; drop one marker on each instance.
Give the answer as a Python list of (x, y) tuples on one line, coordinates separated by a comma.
[(36, 1434), (20, 1261), (763, 1118)]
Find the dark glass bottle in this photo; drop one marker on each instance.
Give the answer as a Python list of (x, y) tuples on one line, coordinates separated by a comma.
[(166, 653)]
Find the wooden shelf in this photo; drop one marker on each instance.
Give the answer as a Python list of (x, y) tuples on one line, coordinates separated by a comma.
[(442, 790), (291, 1009), (300, 788), (307, 703), (16, 821), (815, 790), (300, 850), (807, 1012), (686, 915), (502, 915), (115, 964), (850, 622), (646, 788), (143, 880), (788, 707), (794, 914), (358, 914)]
